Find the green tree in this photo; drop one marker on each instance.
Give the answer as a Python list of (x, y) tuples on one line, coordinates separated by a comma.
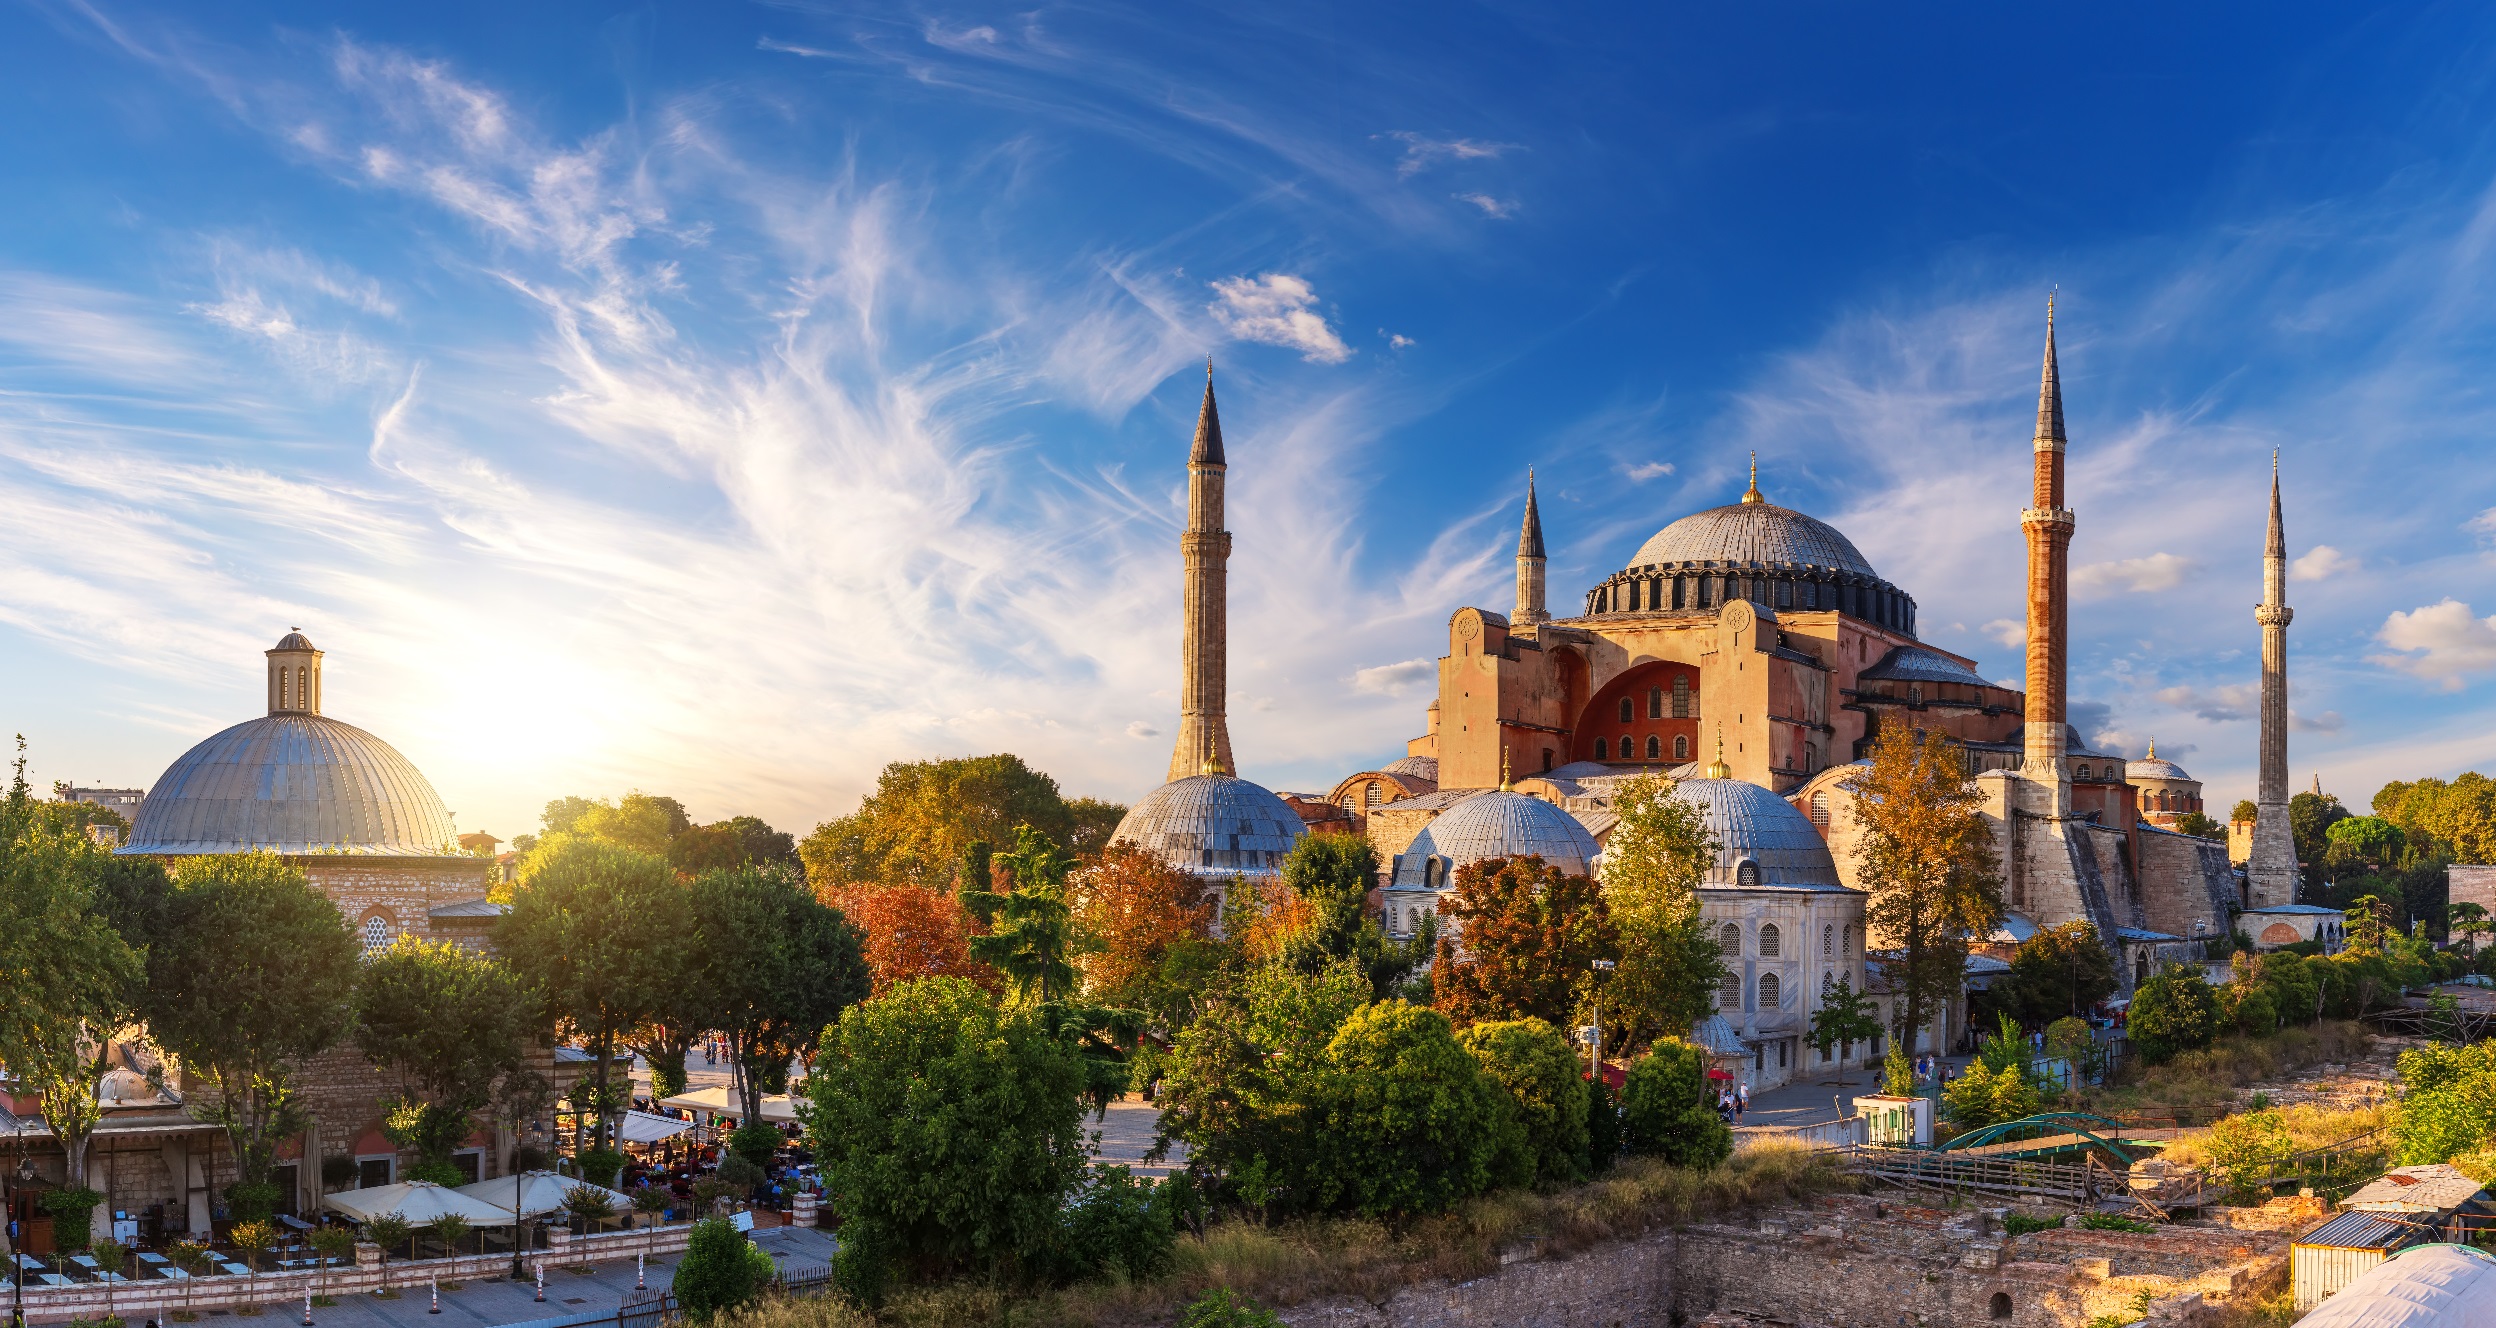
[(764, 845), (1984, 1095), (1246, 1086), (72, 981), (1333, 875), (1031, 932), (949, 1132), (2244, 811), (1089, 824), (2369, 841), (1522, 939), (2059, 971), (596, 931), (448, 1023), (2310, 816), (252, 974), (774, 968), (2469, 922), (1667, 1110), (2449, 821), (2173, 1012), (2200, 826), (1652, 865), (1414, 1125), (2451, 1104), (722, 1271), (1845, 1017), (1928, 863), (705, 848), (923, 814), (1538, 1071)]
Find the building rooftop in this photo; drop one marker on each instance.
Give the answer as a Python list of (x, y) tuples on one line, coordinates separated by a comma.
[(2433, 1188)]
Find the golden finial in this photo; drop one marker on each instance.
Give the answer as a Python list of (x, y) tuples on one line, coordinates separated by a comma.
[(1504, 785), (2153, 749), (1717, 769), (1751, 495), (1213, 764)]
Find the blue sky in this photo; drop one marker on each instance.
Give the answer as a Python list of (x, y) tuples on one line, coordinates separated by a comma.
[(725, 400)]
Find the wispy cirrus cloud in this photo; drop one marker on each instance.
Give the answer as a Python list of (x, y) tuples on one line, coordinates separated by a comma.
[(1421, 152)]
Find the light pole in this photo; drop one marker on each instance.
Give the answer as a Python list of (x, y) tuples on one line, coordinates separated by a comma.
[(1594, 1031)]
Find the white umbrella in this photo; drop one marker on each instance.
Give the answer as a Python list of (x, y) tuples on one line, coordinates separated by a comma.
[(540, 1192), (418, 1201), (721, 1102), (642, 1127)]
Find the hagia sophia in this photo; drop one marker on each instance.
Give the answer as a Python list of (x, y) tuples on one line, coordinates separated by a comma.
[(1759, 639)]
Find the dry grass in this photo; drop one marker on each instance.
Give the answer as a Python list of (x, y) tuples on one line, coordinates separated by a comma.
[(2206, 1080), (1299, 1261), (2309, 1126)]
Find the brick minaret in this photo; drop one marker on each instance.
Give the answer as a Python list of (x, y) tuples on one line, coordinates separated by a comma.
[(1530, 608), (2048, 524), (1204, 727), (2271, 869)]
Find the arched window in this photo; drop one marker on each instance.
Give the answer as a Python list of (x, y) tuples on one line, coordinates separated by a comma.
[(2081, 773), (1370, 795), (1629, 710), (1681, 748), (1729, 940), (1629, 747), (1729, 992), (377, 935), (1655, 747), (1820, 807), (1655, 703), (1603, 749), (1828, 942), (1846, 942), (1747, 874), (2000, 1308), (1768, 991), (1770, 940), (303, 688), (1681, 696), (1828, 982)]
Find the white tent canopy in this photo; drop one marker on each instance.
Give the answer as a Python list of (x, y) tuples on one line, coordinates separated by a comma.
[(419, 1201), (540, 1192), (777, 1108), (643, 1127), (2430, 1286)]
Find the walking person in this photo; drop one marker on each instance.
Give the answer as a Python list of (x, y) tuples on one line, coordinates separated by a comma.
[(1741, 1101)]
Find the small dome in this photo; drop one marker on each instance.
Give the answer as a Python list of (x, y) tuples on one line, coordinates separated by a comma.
[(1213, 825), (295, 783), (1749, 822), (1752, 533), (293, 641), (1420, 767), (1497, 824), (1916, 664)]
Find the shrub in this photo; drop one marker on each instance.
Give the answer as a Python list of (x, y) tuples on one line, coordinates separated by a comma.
[(947, 1129), (440, 1173), (1411, 1124), (721, 1270), (1121, 1227), (739, 1174), (2171, 1013), (1219, 1308), (1982, 1097), (600, 1166), (2110, 1222), (2019, 1224), (73, 1218), (1603, 1128), (252, 1203), (2247, 1008), (1534, 1067), (1667, 1111), (756, 1143), (2246, 1148), (2451, 1107)]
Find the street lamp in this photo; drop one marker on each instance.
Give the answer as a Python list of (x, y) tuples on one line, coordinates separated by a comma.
[(1592, 1034)]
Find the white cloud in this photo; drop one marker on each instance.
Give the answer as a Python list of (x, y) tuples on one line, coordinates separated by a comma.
[(2445, 643), (2482, 525), (2321, 563), (1275, 309), (1499, 208), (1397, 340), (2010, 632), (1648, 470), (2222, 704), (2140, 576), (1394, 679), (1140, 729), (2327, 722), (1421, 153)]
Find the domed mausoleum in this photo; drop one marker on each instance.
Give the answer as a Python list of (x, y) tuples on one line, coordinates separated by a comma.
[(1499, 823), (2166, 793), (1213, 826)]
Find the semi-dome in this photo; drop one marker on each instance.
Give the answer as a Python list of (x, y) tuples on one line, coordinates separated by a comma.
[(1420, 767), (297, 783), (1757, 829), (1213, 825), (1743, 533), (1495, 824)]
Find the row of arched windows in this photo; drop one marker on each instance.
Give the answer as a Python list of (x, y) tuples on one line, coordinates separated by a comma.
[(1835, 942), (1655, 747), (1630, 594)]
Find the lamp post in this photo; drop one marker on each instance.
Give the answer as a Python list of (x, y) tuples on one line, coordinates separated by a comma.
[(1594, 1031)]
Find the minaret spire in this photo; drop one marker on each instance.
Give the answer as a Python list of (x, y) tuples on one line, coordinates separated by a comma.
[(1530, 562), (2048, 525), (1204, 742), (2271, 868)]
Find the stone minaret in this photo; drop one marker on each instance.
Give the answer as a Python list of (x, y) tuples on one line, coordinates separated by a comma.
[(2271, 868), (2048, 524), (1530, 563), (1204, 745), (294, 676)]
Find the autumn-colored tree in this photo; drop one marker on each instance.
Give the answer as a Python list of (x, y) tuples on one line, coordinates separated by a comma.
[(1928, 863), (1652, 866), (923, 814), (1131, 909), (1523, 939), (1264, 917), (912, 933)]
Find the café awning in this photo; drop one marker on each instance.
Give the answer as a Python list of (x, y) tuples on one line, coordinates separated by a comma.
[(778, 1108), (420, 1202)]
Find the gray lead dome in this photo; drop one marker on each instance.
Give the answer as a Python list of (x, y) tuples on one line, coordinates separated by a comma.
[(1752, 825), (294, 783), (1213, 825), (1497, 824), (1745, 533)]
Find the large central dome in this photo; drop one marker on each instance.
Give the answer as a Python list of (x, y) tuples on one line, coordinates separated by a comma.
[(1744, 533)]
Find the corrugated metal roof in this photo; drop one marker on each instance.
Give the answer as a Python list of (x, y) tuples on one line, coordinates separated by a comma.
[(2433, 1188), (2365, 1231)]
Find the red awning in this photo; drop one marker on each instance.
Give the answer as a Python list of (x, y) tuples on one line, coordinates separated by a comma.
[(1720, 1074)]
